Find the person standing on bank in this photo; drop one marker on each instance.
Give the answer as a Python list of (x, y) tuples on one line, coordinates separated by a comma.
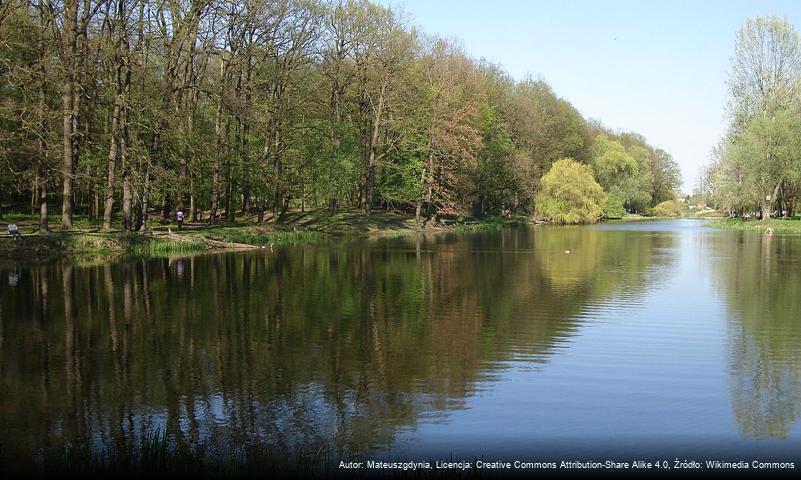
[(179, 218)]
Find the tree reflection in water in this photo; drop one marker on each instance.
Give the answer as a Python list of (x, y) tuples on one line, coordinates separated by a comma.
[(760, 280), (338, 345)]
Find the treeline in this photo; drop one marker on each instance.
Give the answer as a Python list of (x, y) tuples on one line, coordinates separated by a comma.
[(121, 108), (757, 166)]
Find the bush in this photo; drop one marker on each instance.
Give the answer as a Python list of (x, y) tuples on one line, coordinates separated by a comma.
[(570, 194), (667, 208), (613, 206)]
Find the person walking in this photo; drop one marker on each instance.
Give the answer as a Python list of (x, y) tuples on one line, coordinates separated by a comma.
[(179, 217)]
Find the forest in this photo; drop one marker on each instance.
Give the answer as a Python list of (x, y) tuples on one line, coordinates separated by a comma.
[(126, 111), (756, 168)]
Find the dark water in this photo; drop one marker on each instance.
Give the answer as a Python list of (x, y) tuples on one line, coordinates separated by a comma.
[(651, 338)]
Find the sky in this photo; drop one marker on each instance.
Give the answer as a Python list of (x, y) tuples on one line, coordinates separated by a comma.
[(657, 68)]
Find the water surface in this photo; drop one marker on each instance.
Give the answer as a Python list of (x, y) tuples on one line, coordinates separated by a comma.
[(646, 339)]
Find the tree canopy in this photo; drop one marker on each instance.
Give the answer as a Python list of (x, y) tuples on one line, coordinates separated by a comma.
[(570, 194), (758, 163), (126, 110)]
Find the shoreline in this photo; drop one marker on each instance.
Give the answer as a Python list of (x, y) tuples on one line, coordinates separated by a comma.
[(91, 242), (164, 240), (778, 225)]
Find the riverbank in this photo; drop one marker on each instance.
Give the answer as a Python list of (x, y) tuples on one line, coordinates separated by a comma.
[(88, 240), (780, 226)]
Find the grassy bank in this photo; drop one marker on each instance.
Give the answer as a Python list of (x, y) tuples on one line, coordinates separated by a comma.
[(91, 244), (777, 225), (87, 240)]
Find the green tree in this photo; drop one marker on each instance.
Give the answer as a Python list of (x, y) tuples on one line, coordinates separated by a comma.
[(666, 176), (615, 168), (763, 159), (765, 69), (613, 207), (570, 194)]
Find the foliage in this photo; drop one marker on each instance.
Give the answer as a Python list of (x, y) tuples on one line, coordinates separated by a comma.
[(668, 208), (570, 194), (613, 207), (757, 165), (230, 109), (778, 226)]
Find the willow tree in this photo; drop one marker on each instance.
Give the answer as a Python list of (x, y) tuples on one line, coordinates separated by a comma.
[(570, 194)]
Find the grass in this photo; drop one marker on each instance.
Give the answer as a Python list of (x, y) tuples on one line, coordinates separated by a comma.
[(490, 224), (86, 245), (780, 226), (255, 235)]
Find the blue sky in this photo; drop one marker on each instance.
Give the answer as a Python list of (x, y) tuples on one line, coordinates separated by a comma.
[(657, 68)]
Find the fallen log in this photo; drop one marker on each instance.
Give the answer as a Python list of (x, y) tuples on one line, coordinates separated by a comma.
[(210, 243)]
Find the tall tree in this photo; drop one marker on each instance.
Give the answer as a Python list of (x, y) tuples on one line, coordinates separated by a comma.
[(765, 68)]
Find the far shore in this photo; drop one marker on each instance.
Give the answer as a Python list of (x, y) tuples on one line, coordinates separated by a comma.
[(776, 225), (88, 240)]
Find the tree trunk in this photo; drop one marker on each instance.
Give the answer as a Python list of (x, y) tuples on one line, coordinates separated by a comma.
[(125, 172), (767, 205), (426, 183), (165, 208), (145, 202), (112, 155), (192, 207), (43, 227), (34, 192), (66, 206), (229, 182), (245, 170), (278, 168), (418, 209), (42, 174), (215, 178), (68, 110), (123, 140), (371, 164)]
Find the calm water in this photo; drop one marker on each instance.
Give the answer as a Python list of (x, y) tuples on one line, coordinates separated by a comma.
[(651, 338)]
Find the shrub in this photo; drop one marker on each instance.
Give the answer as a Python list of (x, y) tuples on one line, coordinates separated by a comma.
[(668, 208)]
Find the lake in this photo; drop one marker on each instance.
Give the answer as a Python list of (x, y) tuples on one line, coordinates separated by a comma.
[(651, 340)]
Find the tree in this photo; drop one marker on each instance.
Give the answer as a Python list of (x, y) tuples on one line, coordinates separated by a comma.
[(765, 69), (71, 30), (450, 127), (136, 106), (613, 206), (381, 57), (768, 152), (570, 194), (615, 168), (666, 176), (758, 161)]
